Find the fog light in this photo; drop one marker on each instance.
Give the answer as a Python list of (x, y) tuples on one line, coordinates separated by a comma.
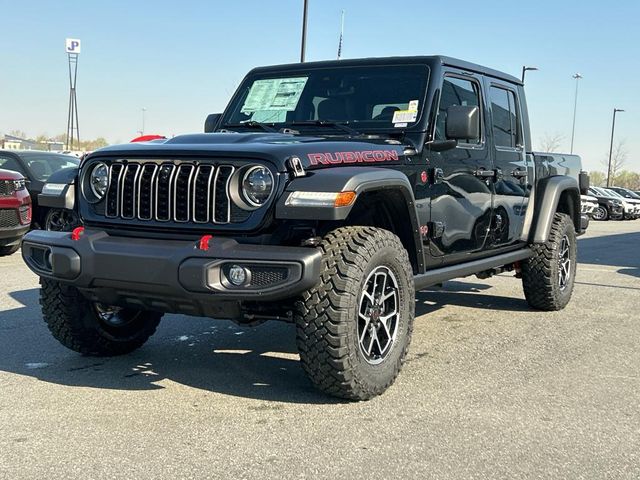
[(237, 275)]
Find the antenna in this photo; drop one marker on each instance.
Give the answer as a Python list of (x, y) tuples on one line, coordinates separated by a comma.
[(341, 35)]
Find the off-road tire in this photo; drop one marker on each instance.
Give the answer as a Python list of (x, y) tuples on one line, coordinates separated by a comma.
[(74, 322), (540, 273), (9, 250), (327, 314)]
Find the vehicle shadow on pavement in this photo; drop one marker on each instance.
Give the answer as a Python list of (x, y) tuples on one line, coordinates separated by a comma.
[(612, 250), (215, 356), (465, 294)]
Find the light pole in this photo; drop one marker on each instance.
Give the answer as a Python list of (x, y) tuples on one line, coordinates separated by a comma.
[(143, 115), (613, 129), (525, 69), (577, 76), (304, 30)]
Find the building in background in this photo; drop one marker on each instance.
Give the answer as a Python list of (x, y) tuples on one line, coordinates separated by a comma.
[(11, 142)]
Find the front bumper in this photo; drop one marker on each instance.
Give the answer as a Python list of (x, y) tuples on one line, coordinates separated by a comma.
[(171, 275), (12, 235), (616, 211), (584, 223)]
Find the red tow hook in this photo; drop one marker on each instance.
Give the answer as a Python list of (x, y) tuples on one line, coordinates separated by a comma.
[(77, 232), (203, 244)]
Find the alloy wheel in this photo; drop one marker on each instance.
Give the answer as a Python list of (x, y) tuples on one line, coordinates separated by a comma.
[(564, 263), (378, 315)]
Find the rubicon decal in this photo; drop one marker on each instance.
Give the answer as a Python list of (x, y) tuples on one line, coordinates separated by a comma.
[(367, 156)]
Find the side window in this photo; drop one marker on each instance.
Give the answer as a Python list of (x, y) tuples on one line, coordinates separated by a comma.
[(456, 91), (504, 117), (10, 163)]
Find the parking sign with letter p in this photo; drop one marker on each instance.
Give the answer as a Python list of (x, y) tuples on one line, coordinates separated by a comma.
[(72, 45)]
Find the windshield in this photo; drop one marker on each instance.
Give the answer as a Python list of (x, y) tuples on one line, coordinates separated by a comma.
[(42, 165), (613, 193), (629, 194), (367, 97), (597, 191)]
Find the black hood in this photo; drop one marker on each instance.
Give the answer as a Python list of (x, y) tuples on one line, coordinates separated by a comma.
[(277, 148)]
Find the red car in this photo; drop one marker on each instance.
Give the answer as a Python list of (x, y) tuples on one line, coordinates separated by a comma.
[(15, 211)]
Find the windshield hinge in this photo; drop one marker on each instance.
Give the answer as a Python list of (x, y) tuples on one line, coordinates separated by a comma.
[(295, 167)]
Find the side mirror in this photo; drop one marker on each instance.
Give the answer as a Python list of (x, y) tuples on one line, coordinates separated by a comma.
[(463, 122), (584, 183), (211, 123)]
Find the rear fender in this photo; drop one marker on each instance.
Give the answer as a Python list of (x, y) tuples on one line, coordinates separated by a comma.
[(559, 193)]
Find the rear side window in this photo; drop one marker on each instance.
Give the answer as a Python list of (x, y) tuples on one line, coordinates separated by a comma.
[(456, 91), (504, 117)]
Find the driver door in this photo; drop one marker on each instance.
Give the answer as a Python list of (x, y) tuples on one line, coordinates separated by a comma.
[(460, 188)]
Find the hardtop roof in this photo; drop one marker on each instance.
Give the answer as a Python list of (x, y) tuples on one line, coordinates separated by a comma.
[(424, 59)]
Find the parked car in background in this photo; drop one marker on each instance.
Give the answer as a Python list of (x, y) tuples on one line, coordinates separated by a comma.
[(631, 206), (15, 211), (609, 207), (38, 168), (588, 204), (630, 195)]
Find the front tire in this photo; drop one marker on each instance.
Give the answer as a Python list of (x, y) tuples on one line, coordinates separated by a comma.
[(61, 220), (354, 327), (549, 275), (91, 328)]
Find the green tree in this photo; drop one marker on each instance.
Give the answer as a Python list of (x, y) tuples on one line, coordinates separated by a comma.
[(597, 179), (90, 145), (627, 179)]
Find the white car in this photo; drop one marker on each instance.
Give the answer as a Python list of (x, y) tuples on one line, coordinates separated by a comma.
[(588, 204)]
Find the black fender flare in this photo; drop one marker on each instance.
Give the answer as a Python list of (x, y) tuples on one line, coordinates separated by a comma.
[(547, 195), (66, 197), (350, 179)]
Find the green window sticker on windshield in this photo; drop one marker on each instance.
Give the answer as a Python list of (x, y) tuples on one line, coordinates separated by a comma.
[(274, 94)]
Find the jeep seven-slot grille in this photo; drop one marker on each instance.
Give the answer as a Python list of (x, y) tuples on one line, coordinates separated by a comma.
[(170, 192)]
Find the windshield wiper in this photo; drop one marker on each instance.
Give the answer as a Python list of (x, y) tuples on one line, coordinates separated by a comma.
[(251, 124), (327, 123)]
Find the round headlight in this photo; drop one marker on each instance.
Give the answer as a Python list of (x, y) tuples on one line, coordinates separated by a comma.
[(257, 185), (99, 179)]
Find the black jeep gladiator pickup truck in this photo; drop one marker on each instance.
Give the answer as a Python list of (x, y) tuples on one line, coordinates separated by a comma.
[(326, 194)]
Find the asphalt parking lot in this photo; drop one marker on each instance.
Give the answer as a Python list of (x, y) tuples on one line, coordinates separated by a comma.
[(491, 389)]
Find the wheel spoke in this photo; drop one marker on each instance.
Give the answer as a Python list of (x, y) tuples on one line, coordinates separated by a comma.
[(374, 337), (387, 296), (383, 322), (384, 284), (368, 296)]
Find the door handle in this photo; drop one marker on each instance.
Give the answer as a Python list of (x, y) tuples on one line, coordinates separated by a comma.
[(482, 173), (519, 173)]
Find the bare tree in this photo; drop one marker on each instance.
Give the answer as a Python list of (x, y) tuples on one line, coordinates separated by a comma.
[(618, 158), (551, 142), (18, 133)]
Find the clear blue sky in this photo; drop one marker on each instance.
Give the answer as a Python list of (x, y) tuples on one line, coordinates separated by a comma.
[(182, 60)]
